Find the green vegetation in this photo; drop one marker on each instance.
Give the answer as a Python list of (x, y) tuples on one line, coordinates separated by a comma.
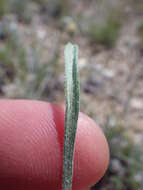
[(54, 8), (22, 10), (50, 7), (126, 163), (105, 34), (140, 31), (3, 7), (18, 7), (137, 5), (20, 66)]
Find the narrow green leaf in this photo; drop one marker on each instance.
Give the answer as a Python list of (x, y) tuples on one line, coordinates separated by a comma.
[(72, 109)]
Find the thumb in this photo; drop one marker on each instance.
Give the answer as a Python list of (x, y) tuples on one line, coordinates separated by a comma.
[(31, 147)]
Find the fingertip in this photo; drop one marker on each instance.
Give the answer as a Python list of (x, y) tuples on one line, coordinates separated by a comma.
[(30, 156), (31, 147), (91, 154)]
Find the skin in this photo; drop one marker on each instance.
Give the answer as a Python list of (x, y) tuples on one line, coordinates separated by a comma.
[(31, 147)]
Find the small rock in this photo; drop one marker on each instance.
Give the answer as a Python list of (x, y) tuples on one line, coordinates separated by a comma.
[(139, 177), (136, 103), (41, 33), (108, 73), (117, 167), (82, 63)]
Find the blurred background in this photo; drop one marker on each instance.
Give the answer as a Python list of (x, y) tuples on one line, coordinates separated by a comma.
[(110, 36)]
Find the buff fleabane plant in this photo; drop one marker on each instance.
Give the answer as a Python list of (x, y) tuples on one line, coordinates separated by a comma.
[(72, 95)]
